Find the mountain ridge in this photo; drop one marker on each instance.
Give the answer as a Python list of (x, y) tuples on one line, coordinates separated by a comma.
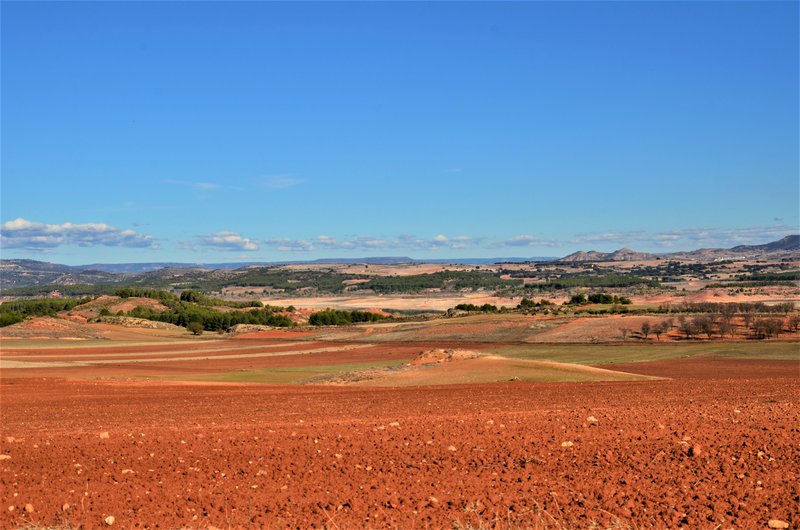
[(27, 272), (786, 246)]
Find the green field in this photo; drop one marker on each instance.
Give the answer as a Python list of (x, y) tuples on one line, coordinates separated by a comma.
[(602, 354), (284, 376)]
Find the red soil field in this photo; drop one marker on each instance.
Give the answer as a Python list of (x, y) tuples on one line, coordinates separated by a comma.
[(714, 450)]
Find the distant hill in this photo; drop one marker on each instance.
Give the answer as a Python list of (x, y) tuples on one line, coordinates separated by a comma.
[(136, 268), (623, 254), (791, 243), (25, 272), (20, 272), (789, 246)]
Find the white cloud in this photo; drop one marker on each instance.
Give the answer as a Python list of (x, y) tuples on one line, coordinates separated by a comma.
[(24, 234), (326, 242), (438, 242), (280, 182), (199, 186), (527, 241), (227, 241), (681, 238), (688, 238), (290, 245), (610, 237), (722, 237)]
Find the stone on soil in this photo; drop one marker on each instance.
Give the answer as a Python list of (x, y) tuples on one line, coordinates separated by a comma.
[(777, 523)]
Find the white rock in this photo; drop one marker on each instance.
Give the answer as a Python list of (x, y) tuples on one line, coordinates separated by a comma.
[(777, 523)]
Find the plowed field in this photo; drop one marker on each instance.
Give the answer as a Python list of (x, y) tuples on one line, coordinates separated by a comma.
[(719, 449)]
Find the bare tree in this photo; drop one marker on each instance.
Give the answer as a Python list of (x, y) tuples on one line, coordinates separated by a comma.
[(646, 328), (660, 328), (705, 324), (686, 326), (727, 328), (765, 328), (728, 311)]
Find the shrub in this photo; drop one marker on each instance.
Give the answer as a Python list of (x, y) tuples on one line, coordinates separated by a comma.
[(334, 317)]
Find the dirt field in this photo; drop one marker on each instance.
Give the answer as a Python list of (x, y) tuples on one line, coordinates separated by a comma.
[(697, 453), (762, 294), (167, 431), (396, 302)]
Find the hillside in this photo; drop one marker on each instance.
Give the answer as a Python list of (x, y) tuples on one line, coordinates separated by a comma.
[(623, 254), (323, 276), (20, 272), (791, 243), (789, 246)]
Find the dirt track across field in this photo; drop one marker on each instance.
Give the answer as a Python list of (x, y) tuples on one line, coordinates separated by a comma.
[(717, 449)]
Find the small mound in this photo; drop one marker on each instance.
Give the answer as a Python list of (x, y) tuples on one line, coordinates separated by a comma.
[(258, 331), (132, 322), (48, 328), (443, 356), (115, 304), (128, 304), (377, 311)]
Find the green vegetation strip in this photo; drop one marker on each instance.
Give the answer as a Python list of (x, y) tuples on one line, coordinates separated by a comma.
[(602, 354), (287, 375)]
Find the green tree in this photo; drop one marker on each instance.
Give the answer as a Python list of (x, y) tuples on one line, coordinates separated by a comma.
[(578, 299)]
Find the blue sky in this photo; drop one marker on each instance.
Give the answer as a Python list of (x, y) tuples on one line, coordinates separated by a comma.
[(204, 132)]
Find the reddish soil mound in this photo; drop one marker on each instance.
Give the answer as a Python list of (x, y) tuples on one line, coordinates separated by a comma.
[(129, 304), (663, 454), (115, 304), (377, 311), (440, 356), (48, 328), (266, 332), (131, 322)]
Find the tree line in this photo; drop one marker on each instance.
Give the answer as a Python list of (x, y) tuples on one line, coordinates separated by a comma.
[(336, 317), (184, 313), (723, 325), (18, 310)]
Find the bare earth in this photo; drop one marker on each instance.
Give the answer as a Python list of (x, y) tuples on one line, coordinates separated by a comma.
[(395, 425), (695, 453), (399, 302)]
